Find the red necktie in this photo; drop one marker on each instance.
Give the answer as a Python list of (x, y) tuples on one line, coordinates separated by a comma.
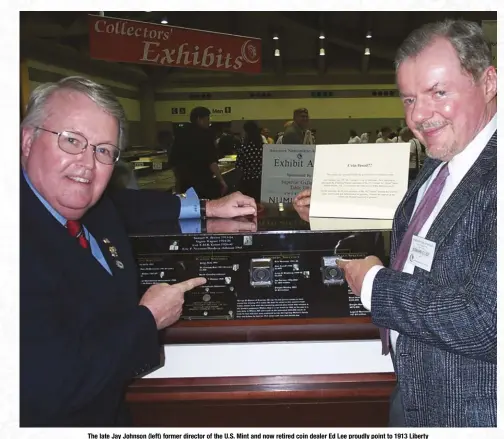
[(75, 229)]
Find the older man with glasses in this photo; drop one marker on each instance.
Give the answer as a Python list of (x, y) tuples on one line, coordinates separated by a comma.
[(85, 332)]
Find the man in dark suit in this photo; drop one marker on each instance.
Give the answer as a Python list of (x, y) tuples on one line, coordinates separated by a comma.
[(85, 332), (194, 157), (437, 303)]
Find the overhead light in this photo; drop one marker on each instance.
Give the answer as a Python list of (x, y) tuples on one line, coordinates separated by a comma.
[(277, 52), (164, 21), (275, 36), (322, 51), (322, 36), (369, 35), (367, 51)]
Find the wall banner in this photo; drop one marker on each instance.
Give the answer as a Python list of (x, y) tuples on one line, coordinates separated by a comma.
[(119, 40)]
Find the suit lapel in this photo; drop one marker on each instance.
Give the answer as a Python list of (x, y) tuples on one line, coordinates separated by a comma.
[(79, 263), (456, 205), (113, 243), (41, 226)]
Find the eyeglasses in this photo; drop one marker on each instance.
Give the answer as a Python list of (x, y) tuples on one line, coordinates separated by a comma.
[(74, 143)]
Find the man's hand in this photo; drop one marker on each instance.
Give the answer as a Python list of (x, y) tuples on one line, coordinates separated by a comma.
[(165, 301), (230, 206), (302, 199), (355, 271), (241, 224), (303, 212)]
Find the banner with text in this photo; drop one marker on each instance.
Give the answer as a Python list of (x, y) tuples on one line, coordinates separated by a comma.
[(113, 39), (286, 171)]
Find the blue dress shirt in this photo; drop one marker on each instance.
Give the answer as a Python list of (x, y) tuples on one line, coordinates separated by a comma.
[(95, 248)]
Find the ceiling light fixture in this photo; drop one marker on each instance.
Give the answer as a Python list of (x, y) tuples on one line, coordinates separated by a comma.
[(369, 35), (277, 52), (367, 51), (321, 36), (164, 21), (275, 36), (322, 51)]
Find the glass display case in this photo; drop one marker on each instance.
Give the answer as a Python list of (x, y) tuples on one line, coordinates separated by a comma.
[(273, 277)]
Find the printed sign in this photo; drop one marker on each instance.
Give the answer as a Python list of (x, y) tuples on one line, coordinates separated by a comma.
[(286, 171), (119, 40)]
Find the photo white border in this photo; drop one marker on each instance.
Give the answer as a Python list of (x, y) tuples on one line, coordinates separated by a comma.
[(9, 322)]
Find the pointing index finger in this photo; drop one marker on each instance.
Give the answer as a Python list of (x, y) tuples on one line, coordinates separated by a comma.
[(190, 284)]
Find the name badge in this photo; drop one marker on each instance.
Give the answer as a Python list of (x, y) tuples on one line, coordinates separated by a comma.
[(421, 253)]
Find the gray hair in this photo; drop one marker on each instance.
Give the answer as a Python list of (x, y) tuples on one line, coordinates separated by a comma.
[(101, 95), (466, 37)]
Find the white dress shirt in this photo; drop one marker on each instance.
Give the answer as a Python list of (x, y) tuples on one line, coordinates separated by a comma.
[(458, 167)]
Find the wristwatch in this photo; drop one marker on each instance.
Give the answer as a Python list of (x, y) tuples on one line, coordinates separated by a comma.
[(202, 207)]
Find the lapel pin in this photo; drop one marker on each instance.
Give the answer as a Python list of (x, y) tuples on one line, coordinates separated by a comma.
[(106, 241), (120, 264), (113, 251)]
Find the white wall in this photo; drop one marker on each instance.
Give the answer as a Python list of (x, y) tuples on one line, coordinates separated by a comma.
[(278, 358)]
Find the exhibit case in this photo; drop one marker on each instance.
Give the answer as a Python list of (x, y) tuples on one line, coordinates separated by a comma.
[(275, 338), (270, 278)]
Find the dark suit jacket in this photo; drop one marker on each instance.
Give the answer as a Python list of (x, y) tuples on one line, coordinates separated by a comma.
[(83, 335), (193, 153), (446, 353)]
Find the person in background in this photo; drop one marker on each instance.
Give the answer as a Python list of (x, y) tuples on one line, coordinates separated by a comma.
[(194, 158), (437, 303), (309, 138), (295, 133), (354, 138), (385, 135), (249, 161), (417, 154), (226, 145), (265, 132), (281, 134), (365, 137), (85, 332)]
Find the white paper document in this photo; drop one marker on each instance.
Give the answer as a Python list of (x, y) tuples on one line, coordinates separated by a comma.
[(366, 181)]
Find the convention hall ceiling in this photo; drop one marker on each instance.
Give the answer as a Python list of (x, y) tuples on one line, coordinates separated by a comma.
[(62, 38)]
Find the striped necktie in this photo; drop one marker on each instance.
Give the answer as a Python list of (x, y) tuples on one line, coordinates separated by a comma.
[(75, 229)]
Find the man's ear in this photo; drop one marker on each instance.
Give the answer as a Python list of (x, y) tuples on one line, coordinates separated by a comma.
[(489, 83), (27, 138)]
